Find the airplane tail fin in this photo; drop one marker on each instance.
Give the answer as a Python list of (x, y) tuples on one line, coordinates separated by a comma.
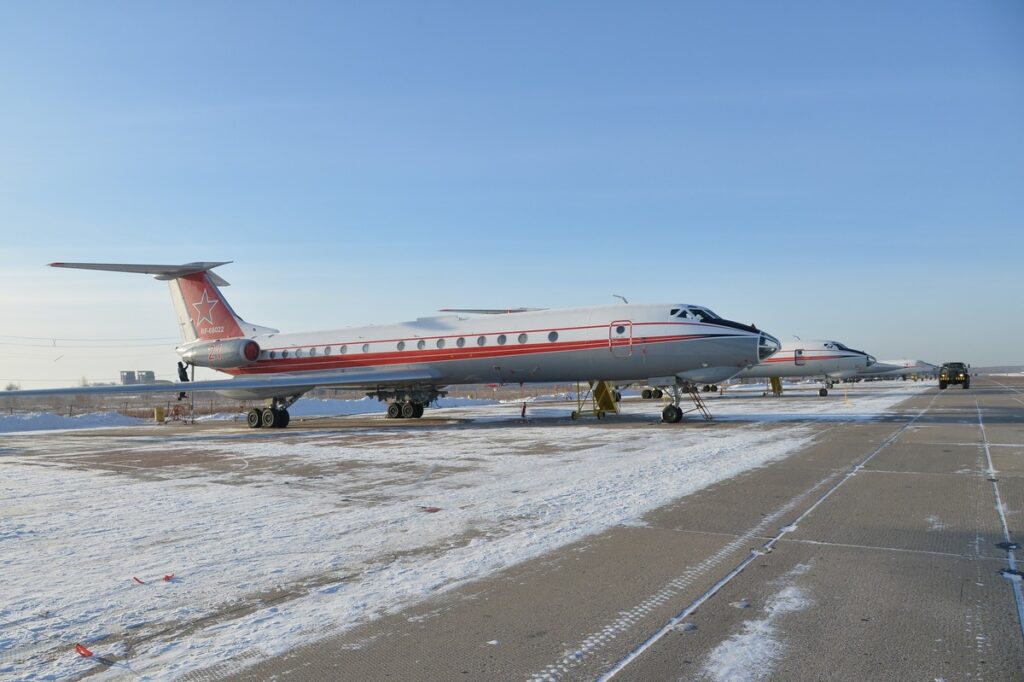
[(202, 311)]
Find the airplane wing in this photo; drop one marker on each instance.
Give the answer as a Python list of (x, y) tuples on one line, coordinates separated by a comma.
[(489, 311), (287, 384)]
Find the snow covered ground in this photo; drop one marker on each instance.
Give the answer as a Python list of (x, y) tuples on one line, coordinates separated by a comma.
[(274, 539), (47, 421)]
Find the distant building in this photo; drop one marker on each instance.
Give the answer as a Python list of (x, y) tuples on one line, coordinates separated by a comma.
[(128, 377), (146, 376)]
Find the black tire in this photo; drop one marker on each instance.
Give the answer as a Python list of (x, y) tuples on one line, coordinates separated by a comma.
[(408, 410), (394, 411), (283, 418), (647, 394), (574, 415), (671, 414), (269, 419), (657, 394), (255, 418), (967, 384), (418, 410), (942, 385), (823, 392)]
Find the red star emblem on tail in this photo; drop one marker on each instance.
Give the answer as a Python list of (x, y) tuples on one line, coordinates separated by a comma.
[(204, 309)]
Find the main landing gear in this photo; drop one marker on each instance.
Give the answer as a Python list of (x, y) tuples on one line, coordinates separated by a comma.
[(274, 417), (407, 402), (405, 410)]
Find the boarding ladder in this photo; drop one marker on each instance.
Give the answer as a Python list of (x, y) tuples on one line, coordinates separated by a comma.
[(698, 402)]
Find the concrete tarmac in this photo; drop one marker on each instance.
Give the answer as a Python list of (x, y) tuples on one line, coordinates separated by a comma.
[(878, 552)]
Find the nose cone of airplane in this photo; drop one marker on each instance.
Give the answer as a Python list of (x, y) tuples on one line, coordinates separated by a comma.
[(767, 346)]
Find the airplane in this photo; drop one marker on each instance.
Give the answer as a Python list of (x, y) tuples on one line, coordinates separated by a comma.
[(409, 364), (901, 368), (829, 359)]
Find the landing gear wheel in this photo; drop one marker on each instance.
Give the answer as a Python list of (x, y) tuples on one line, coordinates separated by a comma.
[(574, 415), (417, 410), (647, 394), (656, 394), (408, 410), (270, 419), (967, 384), (394, 411), (255, 418), (942, 385), (283, 418), (823, 392), (671, 414)]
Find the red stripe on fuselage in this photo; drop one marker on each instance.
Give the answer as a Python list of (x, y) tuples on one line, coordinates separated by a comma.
[(414, 356), (471, 336), (807, 358)]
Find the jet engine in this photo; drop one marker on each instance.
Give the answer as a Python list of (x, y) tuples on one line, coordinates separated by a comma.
[(222, 354)]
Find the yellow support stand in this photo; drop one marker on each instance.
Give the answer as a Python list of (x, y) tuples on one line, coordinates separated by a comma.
[(776, 383), (601, 397)]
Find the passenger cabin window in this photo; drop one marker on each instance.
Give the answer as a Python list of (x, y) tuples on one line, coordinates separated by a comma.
[(366, 348), (461, 342), (481, 340), (421, 344), (312, 352), (401, 345), (502, 339), (440, 343), (273, 354), (553, 336), (523, 338), (284, 354), (298, 352), (327, 350)]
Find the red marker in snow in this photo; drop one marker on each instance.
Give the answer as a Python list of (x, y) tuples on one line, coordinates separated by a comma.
[(82, 651), (169, 577), (137, 580)]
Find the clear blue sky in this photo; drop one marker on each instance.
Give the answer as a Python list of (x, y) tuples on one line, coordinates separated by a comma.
[(846, 170)]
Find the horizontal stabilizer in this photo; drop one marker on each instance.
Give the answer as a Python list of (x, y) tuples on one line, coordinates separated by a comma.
[(162, 272)]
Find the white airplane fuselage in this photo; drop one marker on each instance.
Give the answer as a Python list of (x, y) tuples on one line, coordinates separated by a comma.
[(608, 342), (829, 359)]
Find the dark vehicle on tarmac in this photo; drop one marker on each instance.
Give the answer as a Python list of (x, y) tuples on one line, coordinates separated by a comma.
[(954, 373)]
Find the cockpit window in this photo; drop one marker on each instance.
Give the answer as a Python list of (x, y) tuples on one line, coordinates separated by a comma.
[(696, 313), (675, 311), (841, 346)]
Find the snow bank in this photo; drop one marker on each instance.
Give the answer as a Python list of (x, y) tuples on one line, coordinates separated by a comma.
[(47, 421)]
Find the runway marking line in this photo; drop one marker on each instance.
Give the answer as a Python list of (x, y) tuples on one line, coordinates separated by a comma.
[(1011, 559)]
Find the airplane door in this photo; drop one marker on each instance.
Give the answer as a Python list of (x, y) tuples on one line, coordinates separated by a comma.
[(798, 357), (620, 338)]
